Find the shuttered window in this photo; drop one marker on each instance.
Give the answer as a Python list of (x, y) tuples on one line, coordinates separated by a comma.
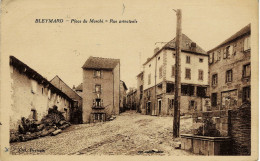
[(188, 73), (173, 71)]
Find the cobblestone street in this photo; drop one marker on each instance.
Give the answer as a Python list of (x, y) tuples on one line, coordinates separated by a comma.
[(129, 134)]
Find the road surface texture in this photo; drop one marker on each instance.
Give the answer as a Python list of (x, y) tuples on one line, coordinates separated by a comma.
[(129, 134)]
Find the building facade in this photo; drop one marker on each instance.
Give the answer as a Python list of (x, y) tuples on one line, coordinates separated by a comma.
[(101, 89), (77, 100), (132, 99), (123, 95), (159, 78), (230, 71), (32, 95), (139, 92)]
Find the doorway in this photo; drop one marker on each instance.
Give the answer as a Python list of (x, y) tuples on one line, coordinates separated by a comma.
[(159, 106)]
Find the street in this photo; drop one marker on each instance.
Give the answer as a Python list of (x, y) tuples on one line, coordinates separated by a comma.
[(129, 134)]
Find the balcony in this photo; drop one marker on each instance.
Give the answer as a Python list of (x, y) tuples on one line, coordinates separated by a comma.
[(98, 107)]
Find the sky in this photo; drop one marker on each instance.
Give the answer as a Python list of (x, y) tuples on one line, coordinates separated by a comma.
[(62, 49)]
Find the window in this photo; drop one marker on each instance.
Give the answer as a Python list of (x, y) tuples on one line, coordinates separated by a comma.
[(192, 104), (98, 88), (33, 86), (247, 43), (171, 103), (187, 90), (227, 52), (42, 90), (187, 73), (97, 102), (200, 74), (246, 94), (211, 57), (97, 73), (160, 72), (149, 65), (246, 70), (188, 59), (200, 60), (219, 55), (49, 94), (214, 79), (173, 71), (33, 114), (149, 79), (169, 88), (158, 58), (201, 91), (229, 76), (214, 97)]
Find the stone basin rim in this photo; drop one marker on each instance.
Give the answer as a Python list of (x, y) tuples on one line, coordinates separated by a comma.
[(210, 138)]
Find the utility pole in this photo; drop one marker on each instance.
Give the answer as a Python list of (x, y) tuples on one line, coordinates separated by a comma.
[(177, 90)]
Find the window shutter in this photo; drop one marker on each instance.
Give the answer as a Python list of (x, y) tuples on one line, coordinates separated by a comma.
[(101, 89), (231, 50), (94, 88), (101, 102), (224, 53), (248, 43), (94, 102), (219, 55), (101, 74), (210, 58)]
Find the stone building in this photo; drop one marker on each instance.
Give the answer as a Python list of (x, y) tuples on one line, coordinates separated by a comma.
[(159, 78), (139, 92), (132, 99), (77, 100), (101, 89), (230, 71), (123, 90), (32, 95), (78, 89)]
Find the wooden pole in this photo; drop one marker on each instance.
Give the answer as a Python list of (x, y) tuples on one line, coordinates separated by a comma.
[(176, 119)]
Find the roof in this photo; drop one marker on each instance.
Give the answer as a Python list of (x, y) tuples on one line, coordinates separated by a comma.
[(124, 84), (79, 87), (32, 74), (245, 30), (65, 85), (100, 63), (185, 47)]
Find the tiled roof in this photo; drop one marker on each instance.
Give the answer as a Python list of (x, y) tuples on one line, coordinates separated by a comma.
[(32, 74), (243, 31), (185, 46), (100, 63)]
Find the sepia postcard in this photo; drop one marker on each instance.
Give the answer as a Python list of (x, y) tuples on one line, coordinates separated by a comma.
[(129, 80)]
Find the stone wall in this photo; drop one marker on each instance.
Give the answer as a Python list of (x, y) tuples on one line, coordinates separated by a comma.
[(240, 130), (218, 120), (234, 123)]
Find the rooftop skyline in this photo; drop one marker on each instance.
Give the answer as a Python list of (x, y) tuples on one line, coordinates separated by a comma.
[(62, 49)]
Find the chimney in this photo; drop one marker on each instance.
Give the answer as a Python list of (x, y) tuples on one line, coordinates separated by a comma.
[(156, 50)]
